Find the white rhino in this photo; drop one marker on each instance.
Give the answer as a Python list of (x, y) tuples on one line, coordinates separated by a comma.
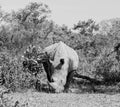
[(63, 60)]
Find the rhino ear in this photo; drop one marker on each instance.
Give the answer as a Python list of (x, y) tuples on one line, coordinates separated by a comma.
[(62, 61)]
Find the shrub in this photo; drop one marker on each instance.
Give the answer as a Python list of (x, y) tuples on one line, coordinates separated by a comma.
[(107, 69), (14, 76)]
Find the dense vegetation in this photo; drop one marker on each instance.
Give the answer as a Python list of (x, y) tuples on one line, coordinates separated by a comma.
[(97, 45)]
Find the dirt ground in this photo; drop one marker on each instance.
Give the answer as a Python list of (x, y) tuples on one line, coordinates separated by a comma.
[(40, 99)]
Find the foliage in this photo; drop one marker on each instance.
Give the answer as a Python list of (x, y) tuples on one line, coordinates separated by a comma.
[(26, 26), (15, 77), (86, 28), (99, 58), (97, 45)]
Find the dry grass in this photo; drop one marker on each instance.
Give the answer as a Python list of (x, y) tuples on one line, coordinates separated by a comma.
[(40, 99)]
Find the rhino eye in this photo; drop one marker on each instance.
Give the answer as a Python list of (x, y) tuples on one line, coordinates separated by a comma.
[(62, 61)]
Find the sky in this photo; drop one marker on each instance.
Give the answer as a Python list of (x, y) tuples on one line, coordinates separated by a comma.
[(69, 12)]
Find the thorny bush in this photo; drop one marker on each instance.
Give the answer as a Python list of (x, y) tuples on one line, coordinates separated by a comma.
[(16, 77)]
